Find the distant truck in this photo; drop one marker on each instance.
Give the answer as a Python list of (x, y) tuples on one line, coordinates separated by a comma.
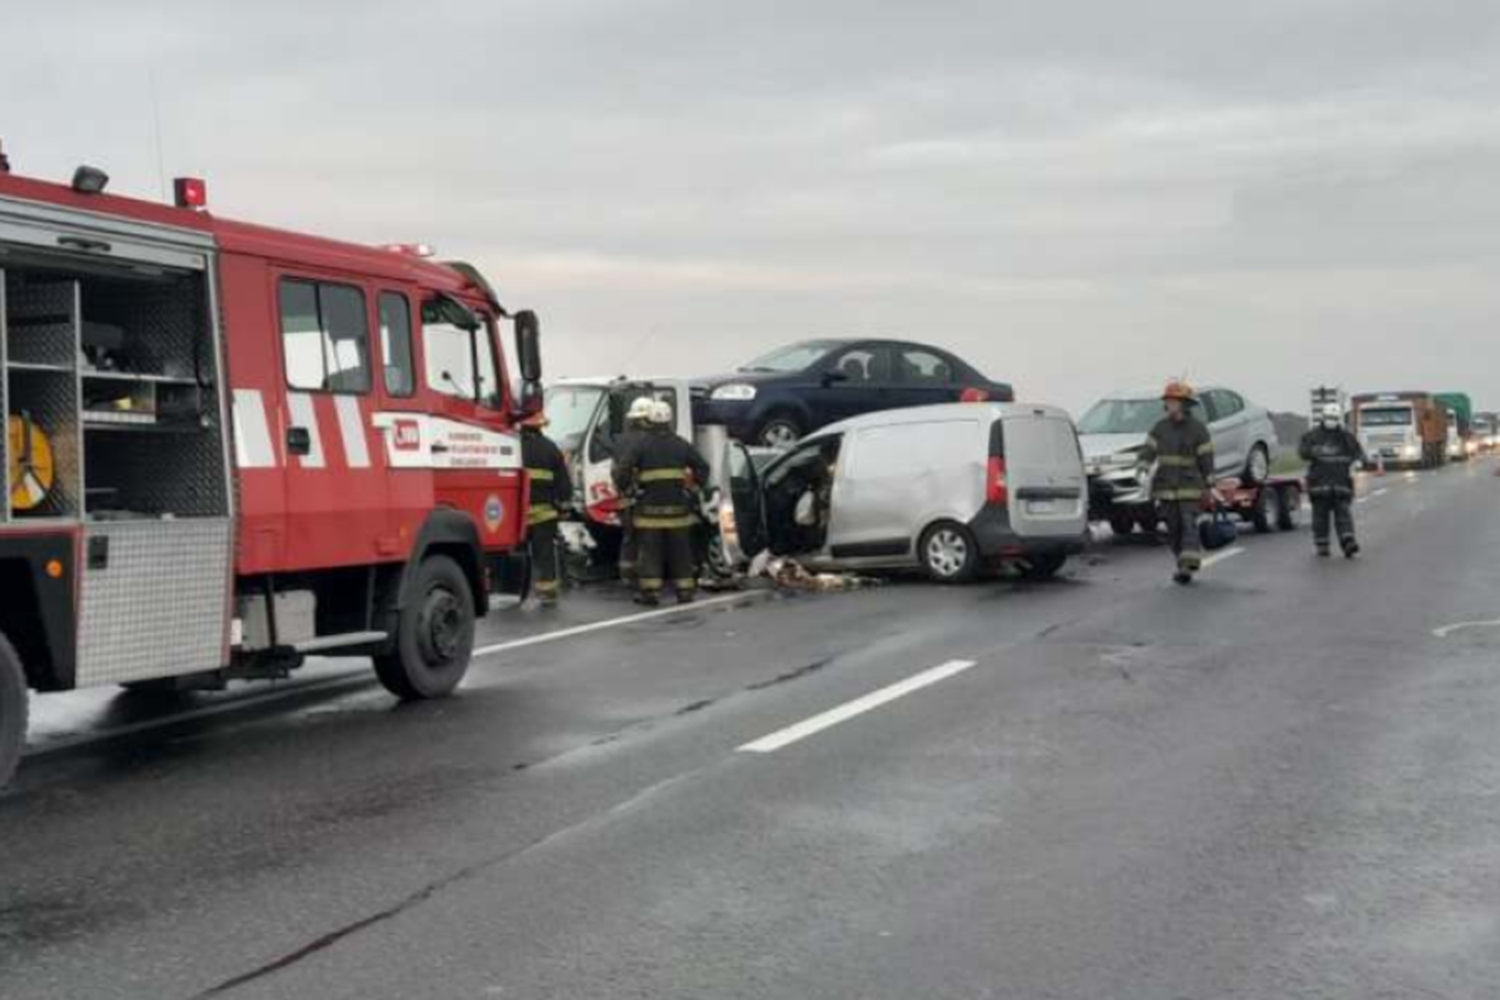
[(1486, 431), (1401, 428), (1460, 425)]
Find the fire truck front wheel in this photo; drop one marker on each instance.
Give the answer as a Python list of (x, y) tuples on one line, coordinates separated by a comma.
[(13, 707), (434, 636)]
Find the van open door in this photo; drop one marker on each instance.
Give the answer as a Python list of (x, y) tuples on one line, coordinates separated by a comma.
[(744, 534)]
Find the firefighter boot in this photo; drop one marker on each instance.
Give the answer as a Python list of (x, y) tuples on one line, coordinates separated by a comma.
[(1350, 547), (1188, 563), (1322, 544)]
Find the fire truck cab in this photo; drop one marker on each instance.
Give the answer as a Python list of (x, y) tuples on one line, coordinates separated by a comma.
[(228, 447)]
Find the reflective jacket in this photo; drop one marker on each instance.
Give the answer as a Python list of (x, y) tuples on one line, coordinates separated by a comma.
[(547, 472), (1330, 454), (1184, 455), (656, 473)]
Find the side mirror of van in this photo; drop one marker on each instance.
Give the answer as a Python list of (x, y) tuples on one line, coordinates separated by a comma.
[(529, 345)]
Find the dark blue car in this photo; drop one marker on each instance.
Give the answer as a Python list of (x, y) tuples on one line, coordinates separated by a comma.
[(776, 399)]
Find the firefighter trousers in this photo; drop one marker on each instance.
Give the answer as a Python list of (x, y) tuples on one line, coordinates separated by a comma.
[(629, 550), (666, 553), (1337, 508), (545, 559), (1181, 517)]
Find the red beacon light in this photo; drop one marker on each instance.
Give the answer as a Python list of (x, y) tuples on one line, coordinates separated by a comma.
[(190, 192), (421, 250)]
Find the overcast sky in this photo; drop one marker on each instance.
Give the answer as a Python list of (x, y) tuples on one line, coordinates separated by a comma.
[(1075, 196)]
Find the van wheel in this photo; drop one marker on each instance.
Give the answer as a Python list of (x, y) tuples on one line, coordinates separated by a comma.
[(13, 710), (1036, 568), (949, 553), (779, 430), (434, 636), (1122, 524)]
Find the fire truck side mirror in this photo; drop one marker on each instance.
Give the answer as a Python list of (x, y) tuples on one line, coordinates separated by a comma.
[(529, 345)]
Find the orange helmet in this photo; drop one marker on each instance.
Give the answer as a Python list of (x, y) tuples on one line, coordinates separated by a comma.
[(536, 421), (1180, 390)]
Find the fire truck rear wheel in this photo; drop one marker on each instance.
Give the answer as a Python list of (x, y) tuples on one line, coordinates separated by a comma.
[(13, 708), (435, 634)]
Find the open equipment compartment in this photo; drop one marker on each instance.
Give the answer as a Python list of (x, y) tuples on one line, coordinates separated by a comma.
[(111, 371)]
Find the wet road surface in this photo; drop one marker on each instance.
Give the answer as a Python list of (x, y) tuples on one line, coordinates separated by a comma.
[(1280, 783)]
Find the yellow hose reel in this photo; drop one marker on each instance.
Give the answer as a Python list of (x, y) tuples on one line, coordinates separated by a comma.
[(33, 469)]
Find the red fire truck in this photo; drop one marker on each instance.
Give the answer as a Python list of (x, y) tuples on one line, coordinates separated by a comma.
[(228, 447)]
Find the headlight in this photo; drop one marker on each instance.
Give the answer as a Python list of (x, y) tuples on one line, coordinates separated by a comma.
[(738, 392)]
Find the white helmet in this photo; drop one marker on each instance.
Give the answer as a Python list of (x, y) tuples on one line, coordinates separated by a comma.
[(640, 409), (661, 413), (1331, 415)]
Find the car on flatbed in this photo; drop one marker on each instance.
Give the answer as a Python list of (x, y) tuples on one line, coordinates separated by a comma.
[(1114, 430), (779, 398)]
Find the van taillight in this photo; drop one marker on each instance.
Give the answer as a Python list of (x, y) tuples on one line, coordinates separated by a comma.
[(996, 491)]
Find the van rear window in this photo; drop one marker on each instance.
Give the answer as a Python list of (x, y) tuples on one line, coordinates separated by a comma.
[(1041, 441)]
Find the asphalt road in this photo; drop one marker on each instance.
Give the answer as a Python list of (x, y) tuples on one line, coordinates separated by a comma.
[(1282, 782)]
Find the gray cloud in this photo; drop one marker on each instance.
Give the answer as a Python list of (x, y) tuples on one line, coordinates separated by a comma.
[(1075, 195)]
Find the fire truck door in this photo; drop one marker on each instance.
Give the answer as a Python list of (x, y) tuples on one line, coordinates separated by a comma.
[(337, 500), (475, 459)]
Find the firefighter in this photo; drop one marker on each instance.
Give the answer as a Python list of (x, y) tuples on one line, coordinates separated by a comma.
[(1183, 451), (660, 472), (551, 494), (637, 422), (1331, 453)]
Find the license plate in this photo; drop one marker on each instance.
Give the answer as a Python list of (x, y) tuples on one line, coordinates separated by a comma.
[(1041, 507)]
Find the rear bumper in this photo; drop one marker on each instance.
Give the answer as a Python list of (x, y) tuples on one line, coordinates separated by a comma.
[(998, 540)]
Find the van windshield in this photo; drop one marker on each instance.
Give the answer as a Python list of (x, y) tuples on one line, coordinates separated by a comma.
[(1121, 416), (1385, 416), (570, 409)]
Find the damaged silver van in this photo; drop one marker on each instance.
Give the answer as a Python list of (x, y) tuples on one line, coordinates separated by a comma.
[(953, 490)]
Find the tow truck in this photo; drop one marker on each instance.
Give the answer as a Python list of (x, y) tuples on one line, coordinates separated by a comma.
[(229, 447)]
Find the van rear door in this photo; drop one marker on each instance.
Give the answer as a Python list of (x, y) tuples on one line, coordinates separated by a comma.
[(1044, 471)]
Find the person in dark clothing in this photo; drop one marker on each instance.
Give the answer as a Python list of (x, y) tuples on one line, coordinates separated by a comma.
[(1183, 452), (637, 421), (551, 493), (660, 474), (1331, 452)]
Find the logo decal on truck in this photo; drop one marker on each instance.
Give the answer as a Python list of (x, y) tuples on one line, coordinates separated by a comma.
[(494, 513), (406, 435)]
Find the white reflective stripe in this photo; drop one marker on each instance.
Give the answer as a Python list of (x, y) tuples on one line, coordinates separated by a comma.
[(305, 415), (252, 434), (352, 427)]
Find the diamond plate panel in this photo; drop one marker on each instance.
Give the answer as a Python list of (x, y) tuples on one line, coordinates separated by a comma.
[(159, 607), (43, 320)]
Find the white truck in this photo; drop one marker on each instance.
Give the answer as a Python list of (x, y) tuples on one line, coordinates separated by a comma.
[(587, 420)]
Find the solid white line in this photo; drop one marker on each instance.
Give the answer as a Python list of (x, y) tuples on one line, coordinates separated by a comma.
[(1219, 557), (644, 616), (859, 706), (1447, 630)]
